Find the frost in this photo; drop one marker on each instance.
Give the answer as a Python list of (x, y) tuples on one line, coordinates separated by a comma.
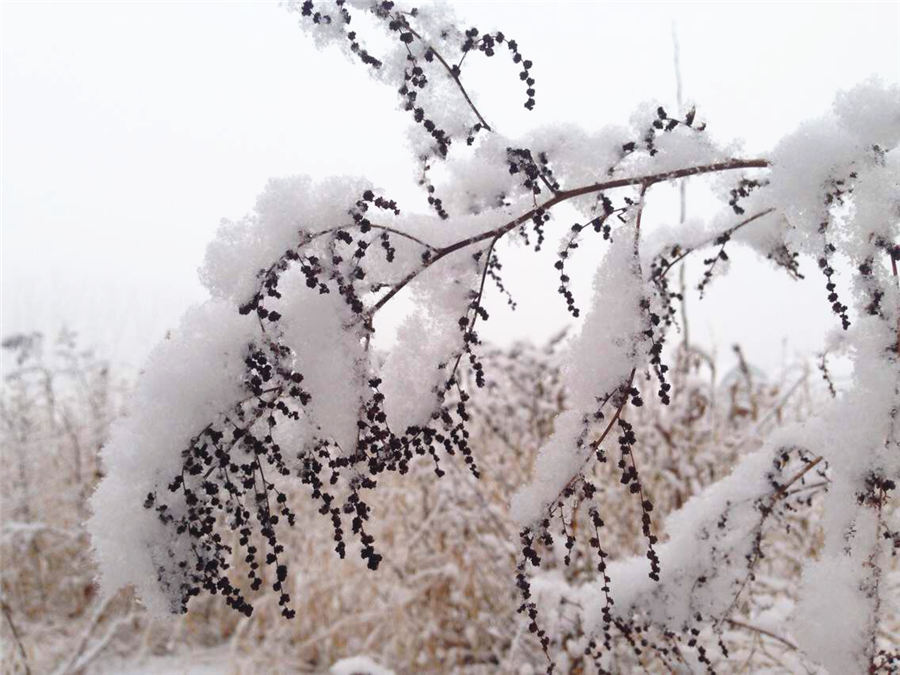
[(870, 112), (610, 343), (700, 562), (558, 460), (833, 622)]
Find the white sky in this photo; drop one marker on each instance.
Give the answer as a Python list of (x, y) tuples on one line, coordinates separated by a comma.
[(130, 129)]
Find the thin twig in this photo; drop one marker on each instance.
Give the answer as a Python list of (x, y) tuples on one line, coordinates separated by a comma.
[(15, 633), (453, 75), (782, 491), (728, 233), (97, 615), (762, 631)]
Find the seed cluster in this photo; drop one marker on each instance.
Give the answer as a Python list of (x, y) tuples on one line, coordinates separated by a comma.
[(663, 123), (876, 491), (494, 271), (434, 201), (664, 295), (223, 482), (599, 225), (421, 56), (782, 256), (710, 263), (631, 479), (871, 287), (534, 173), (230, 471), (528, 606), (581, 492), (834, 197), (743, 190), (655, 326)]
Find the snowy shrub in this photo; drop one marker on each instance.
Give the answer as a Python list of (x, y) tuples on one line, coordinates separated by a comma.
[(278, 380)]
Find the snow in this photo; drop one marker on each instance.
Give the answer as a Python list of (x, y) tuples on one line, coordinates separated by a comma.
[(597, 363), (832, 191), (331, 358), (358, 665), (189, 379), (287, 212)]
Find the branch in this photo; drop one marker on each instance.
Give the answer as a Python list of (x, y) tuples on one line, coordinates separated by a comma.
[(727, 233), (452, 74), (75, 660), (477, 303), (566, 195)]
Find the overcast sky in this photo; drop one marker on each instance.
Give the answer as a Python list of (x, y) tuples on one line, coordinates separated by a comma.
[(130, 129)]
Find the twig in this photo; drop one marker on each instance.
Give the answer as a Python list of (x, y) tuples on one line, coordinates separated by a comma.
[(69, 666), (100, 645), (782, 491), (453, 75), (15, 633), (728, 233), (565, 195), (762, 631)]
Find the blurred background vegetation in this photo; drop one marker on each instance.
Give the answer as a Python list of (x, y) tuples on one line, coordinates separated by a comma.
[(445, 599)]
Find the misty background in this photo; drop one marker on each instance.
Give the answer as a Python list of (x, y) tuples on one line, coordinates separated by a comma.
[(129, 130)]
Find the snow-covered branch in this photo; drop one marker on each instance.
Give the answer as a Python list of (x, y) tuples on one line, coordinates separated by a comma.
[(278, 378)]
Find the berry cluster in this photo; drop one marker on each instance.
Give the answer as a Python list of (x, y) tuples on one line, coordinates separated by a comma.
[(631, 479), (877, 487), (229, 472), (534, 173), (421, 53), (664, 123), (828, 272), (434, 201), (599, 225), (741, 191), (223, 482), (874, 293), (721, 241), (835, 196)]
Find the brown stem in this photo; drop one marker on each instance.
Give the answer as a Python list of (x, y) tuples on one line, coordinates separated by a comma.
[(619, 409), (471, 325), (782, 491), (728, 232), (565, 195), (757, 554), (897, 279)]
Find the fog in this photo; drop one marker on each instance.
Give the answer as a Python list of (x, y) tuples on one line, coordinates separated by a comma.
[(129, 130)]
